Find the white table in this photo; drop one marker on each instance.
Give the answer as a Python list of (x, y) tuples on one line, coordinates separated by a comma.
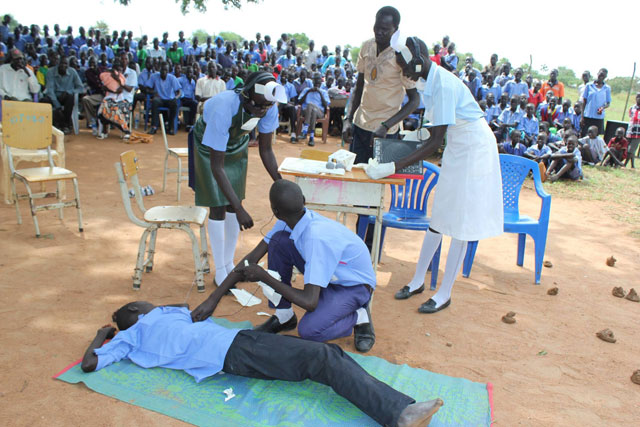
[(354, 192)]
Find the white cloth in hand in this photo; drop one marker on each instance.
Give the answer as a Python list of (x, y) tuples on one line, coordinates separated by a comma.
[(380, 170)]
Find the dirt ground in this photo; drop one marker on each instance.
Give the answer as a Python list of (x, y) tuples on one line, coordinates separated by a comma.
[(547, 369)]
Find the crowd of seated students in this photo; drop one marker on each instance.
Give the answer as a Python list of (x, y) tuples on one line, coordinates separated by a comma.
[(170, 74)]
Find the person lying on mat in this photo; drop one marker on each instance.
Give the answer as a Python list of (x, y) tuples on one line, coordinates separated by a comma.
[(166, 337), (338, 276)]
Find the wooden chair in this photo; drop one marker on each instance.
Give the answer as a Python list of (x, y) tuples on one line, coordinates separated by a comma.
[(27, 126), (172, 217), (178, 154), (323, 121)]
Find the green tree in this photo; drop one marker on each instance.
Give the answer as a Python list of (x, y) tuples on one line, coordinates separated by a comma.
[(201, 35), (102, 26), (302, 40), (200, 5), (230, 36), (568, 76), (621, 84), (12, 23)]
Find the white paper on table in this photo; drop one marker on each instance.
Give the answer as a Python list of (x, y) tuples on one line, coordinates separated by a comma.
[(268, 291), (245, 298), (293, 164)]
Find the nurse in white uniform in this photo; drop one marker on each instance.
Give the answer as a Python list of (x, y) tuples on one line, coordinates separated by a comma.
[(468, 197)]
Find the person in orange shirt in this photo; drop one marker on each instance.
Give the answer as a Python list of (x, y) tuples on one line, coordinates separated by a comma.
[(554, 85)]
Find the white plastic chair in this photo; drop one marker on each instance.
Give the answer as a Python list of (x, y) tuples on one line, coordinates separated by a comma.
[(172, 217), (27, 132), (179, 154)]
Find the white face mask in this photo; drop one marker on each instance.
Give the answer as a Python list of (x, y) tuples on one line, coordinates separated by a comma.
[(420, 84)]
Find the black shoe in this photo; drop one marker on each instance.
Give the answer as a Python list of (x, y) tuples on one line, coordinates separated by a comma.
[(311, 143), (171, 132), (153, 131), (293, 140), (363, 335), (430, 306), (273, 325), (405, 293)]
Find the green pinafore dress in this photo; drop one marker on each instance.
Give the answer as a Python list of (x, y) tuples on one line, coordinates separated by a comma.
[(208, 193)]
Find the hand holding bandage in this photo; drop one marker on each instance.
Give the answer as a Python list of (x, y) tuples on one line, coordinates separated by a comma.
[(375, 170)]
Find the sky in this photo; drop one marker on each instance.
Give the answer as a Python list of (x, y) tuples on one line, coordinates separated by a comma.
[(502, 27)]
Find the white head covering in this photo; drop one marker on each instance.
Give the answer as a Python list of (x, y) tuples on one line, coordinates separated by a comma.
[(272, 91)]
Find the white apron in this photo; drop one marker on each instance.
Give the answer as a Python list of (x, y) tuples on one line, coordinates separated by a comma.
[(468, 197)]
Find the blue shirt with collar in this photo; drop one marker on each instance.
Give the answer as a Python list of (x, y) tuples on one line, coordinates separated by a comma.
[(495, 89), (502, 80), (195, 51), (509, 117), (563, 115), (529, 126), (538, 152), (286, 62), (446, 99), (79, 41), (333, 254), (99, 51), (518, 150), (166, 45), (301, 86), (188, 87), (167, 88), (290, 90), (56, 83), (315, 97), (218, 114), (492, 113), (514, 88), (145, 78), (167, 337)]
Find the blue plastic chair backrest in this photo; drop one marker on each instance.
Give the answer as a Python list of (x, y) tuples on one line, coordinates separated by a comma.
[(514, 171), (410, 200)]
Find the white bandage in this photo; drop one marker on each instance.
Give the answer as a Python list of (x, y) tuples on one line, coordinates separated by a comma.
[(380, 170), (272, 92)]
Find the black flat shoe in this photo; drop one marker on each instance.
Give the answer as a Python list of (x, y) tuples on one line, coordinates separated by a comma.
[(430, 306), (364, 337), (405, 293), (273, 325)]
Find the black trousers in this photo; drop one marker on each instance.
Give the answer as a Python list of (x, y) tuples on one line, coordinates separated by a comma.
[(62, 116), (189, 116), (170, 104), (289, 113), (280, 357)]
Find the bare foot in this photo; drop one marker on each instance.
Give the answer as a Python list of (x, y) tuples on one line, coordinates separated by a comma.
[(618, 292), (606, 335), (419, 414), (633, 296)]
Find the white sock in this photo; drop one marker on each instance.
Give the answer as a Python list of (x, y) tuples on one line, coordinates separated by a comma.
[(284, 314), (429, 246), (363, 317), (455, 258), (231, 231), (216, 238)]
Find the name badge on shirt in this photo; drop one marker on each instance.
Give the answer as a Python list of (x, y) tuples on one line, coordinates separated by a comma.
[(250, 124)]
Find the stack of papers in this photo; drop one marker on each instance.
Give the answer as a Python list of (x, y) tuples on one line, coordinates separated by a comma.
[(294, 164)]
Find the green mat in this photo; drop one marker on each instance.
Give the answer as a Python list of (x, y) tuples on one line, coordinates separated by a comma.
[(280, 403)]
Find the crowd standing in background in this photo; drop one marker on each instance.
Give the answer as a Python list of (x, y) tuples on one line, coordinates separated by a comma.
[(109, 75)]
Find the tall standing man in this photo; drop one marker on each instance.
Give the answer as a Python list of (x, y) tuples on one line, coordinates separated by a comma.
[(376, 105)]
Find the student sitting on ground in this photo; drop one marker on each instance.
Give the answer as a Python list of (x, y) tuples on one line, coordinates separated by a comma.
[(166, 337), (509, 118), (539, 152), (592, 147), (566, 162), (617, 152), (514, 147), (567, 126)]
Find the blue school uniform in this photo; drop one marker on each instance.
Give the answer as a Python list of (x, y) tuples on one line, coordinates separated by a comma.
[(218, 113), (332, 253), (188, 87), (518, 150), (514, 88), (492, 113), (495, 89), (562, 115), (145, 78), (167, 88), (286, 62), (510, 117), (576, 172), (99, 51), (195, 51), (596, 98), (536, 152), (530, 126), (503, 80), (290, 90), (315, 97), (167, 337)]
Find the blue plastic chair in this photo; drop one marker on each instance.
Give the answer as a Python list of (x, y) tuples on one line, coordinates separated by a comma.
[(408, 211), (514, 171), (147, 113)]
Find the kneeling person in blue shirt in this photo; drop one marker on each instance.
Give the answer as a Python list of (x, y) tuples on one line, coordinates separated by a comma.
[(336, 264), (166, 337)]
